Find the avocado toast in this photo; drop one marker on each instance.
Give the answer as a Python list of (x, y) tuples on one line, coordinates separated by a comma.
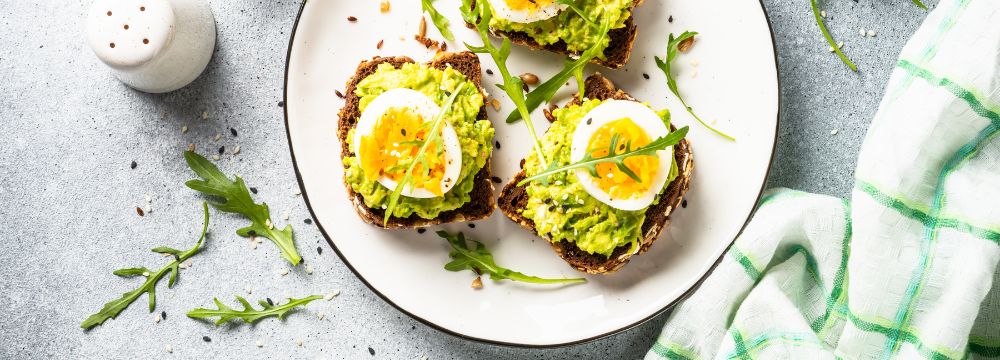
[(569, 33), (471, 195), (514, 201)]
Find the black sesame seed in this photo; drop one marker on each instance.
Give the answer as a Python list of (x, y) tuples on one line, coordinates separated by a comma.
[(371, 351), (270, 302), (134, 164), (163, 314), (498, 145), (319, 250), (472, 226), (645, 76), (489, 72), (421, 231), (222, 150), (590, 121), (402, 131), (281, 104), (251, 233), (308, 221), (670, 19), (684, 203), (253, 190), (232, 131), (496, 179)]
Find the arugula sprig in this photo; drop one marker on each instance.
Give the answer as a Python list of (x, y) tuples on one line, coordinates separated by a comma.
[(439, 20), (589, 162), (480, 261), (478, 13), (419, 157), (575, 6), (233, 197), (249, 314), (572, 68), (664, 65), (115, 307), (829, 39)]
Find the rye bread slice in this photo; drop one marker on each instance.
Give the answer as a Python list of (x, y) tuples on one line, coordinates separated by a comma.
[(514, 198), (481, 204), (615, 56)]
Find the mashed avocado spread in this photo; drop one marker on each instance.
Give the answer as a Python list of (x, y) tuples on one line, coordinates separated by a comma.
[(562, 210), (576, 32), (475, 136)]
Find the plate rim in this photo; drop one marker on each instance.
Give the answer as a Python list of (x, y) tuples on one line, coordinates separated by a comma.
[(669, 306)]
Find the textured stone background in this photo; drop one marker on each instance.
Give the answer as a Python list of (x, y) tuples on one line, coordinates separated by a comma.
[(67, 195)]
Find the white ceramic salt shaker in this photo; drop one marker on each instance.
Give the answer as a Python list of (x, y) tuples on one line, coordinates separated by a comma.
[(154, 46)]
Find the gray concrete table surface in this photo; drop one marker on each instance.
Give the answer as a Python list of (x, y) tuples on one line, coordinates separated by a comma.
[(68, 195)]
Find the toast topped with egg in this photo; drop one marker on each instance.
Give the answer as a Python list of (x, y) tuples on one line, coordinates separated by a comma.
[(553, 26), (597, 224), (390, 101)]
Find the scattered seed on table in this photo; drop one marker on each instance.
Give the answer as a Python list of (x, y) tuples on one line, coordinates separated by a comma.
[(138, 210), (308, 221), (164, 315), (489, 72), (498, 145), (215, 157), (222, 149), (339, 94), (684, 203), (319, 250), (206, 339), (645, 76), (253, 190), (270, 302), (472, 226), (232, 131), (281, 104), (371, 351), (352, 19), (421, 231), (670, 19), (134, 164), (496, 179)]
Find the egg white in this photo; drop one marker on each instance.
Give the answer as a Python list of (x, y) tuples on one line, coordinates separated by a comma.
[(504, 11), (645, 118), (428, 110)]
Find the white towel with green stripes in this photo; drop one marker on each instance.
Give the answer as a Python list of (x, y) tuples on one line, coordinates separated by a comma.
[(909, 267)]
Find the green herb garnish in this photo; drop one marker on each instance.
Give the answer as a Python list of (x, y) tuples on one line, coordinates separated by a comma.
[(480, 261), (829, 39), (115, 307), (439, 20), (249, 314), (573, 68), (920, 4), (576, 8), (233, 197), (664, 65), (589, 162), (479, 14), (419, 158)]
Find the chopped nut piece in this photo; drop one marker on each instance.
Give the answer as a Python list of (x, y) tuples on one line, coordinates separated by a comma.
[(529, 78), (422, 32), (477, 283), (685, 45)]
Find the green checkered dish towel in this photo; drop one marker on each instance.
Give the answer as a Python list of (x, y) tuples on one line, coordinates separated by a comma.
[(909, 267)]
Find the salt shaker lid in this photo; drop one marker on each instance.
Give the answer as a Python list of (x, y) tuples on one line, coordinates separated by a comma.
[(129, 34)]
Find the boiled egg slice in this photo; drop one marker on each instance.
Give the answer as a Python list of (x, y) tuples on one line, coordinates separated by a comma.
[(389, 135), (526, 11), (633, 123)]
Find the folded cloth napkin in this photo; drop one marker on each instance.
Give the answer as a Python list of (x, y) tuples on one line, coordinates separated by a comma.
[(909, 267)]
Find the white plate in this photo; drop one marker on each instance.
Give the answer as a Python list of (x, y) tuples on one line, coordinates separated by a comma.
[(729, 75)]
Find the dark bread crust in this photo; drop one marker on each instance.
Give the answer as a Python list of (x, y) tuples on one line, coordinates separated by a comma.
[(514, 198), (481, 204), (616, 55)]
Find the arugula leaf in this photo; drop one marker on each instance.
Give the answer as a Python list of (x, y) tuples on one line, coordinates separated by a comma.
[(829, 39), (478, 13), (419, 158), (572, 68), (249, 314), (664, 65), (233, 197), (439, 20), (115, 307), (480, 261), (576, 8), (590, 163)]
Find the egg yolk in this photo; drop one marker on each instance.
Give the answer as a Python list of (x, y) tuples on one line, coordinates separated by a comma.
[(528, 5), (610, 178), (394, 143)]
